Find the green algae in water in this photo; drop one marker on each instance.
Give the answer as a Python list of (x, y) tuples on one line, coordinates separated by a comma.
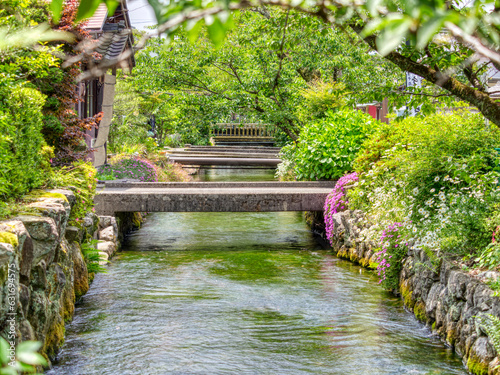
[(278, 312), (266, 266)]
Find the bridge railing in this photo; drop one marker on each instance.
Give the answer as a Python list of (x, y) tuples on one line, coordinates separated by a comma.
[(242, 130)]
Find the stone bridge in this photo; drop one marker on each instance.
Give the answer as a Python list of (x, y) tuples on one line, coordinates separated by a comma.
[(270, 196)]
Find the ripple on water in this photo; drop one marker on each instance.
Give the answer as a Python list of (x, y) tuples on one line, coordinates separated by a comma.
[(237, 294)]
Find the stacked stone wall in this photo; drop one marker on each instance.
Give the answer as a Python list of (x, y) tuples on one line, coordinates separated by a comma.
[(438, 292), (43, 271)]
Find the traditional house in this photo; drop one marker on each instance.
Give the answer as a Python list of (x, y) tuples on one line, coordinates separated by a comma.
[(114, 36)]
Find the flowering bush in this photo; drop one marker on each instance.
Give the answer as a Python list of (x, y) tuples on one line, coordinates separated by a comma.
[(133, 168), (285, 170), (394, 246), (437, 179), (337, 201)]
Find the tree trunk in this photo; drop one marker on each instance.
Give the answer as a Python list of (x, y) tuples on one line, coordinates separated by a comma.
[(486, 105)]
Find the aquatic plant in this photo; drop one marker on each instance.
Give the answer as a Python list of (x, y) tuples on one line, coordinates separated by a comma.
[(337, 201)]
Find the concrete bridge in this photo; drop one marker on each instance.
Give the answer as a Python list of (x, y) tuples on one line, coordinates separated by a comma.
[(225, 155), (270, 196)]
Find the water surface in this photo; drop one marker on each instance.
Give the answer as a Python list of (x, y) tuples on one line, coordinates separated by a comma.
[(242, 293)]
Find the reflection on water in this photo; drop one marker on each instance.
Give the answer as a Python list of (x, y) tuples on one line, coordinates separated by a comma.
[(242, 293), (220, 173)]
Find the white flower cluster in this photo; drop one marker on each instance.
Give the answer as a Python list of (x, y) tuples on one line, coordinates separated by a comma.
[(430, 212)]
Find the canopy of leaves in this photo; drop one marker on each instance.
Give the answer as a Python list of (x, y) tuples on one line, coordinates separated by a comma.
[(262, 68)]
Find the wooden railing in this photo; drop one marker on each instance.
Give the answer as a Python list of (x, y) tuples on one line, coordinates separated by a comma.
[(241, 130)]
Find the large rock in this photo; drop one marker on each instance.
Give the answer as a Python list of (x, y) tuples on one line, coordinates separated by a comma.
[(107, 234), (81, 275), (480, 356), (25, 246), (9, 280), (57, 209), (107, 247)]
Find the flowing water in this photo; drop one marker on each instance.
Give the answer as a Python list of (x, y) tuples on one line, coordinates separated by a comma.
[(242, 293)]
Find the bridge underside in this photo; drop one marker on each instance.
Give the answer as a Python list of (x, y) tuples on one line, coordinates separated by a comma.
[(212, 197)]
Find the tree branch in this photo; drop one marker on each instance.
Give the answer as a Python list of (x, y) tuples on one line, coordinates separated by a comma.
[(281, 55), (423, 94), (474, 42)]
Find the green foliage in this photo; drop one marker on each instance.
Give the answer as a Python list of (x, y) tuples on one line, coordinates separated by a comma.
[(262, 71), (327, 148), (489, 257), (21, 140), (286, 169), (421, 37), (436, 175), (81, 178), (321, 97), (23, 359), (92, 257)]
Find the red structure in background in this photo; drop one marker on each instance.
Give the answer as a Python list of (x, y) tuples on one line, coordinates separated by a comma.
[(377, 110)]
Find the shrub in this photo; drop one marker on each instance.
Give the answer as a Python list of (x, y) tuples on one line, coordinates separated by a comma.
[(321, 97), (393, 249), (81, 178), (285, 170), (327, 148), (167, 171), (134, 168), (336, 202), (21, 140), (436, 176)]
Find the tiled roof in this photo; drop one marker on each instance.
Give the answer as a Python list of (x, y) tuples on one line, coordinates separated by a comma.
[(96, 22), (111, 45)]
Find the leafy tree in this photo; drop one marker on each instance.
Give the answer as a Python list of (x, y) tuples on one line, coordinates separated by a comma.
[(453, 60), (260, 69)]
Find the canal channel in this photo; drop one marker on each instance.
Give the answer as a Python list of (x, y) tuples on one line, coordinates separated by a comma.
[(242, 293)]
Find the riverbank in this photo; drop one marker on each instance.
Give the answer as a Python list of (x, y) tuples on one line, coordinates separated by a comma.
[(242, 293), (439, 293), (44, 270)]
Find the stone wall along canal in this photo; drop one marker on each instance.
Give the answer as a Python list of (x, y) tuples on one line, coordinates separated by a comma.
[(242, 293)]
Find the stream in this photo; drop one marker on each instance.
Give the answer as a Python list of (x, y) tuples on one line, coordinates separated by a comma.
[(242, 293)]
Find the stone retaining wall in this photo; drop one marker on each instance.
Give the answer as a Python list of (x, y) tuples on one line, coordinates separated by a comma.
[(42, 269), (441, 295)]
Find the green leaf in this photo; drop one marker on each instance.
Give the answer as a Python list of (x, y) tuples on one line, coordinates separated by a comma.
[(111, 5), (29, 346), (27, 352), (4, 351), (86, 9), (428, 29), (372, 6), (158, 9), (8, 371), (372, 27), (193, 30), (31, 358), (56, 8), (392, 35)]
